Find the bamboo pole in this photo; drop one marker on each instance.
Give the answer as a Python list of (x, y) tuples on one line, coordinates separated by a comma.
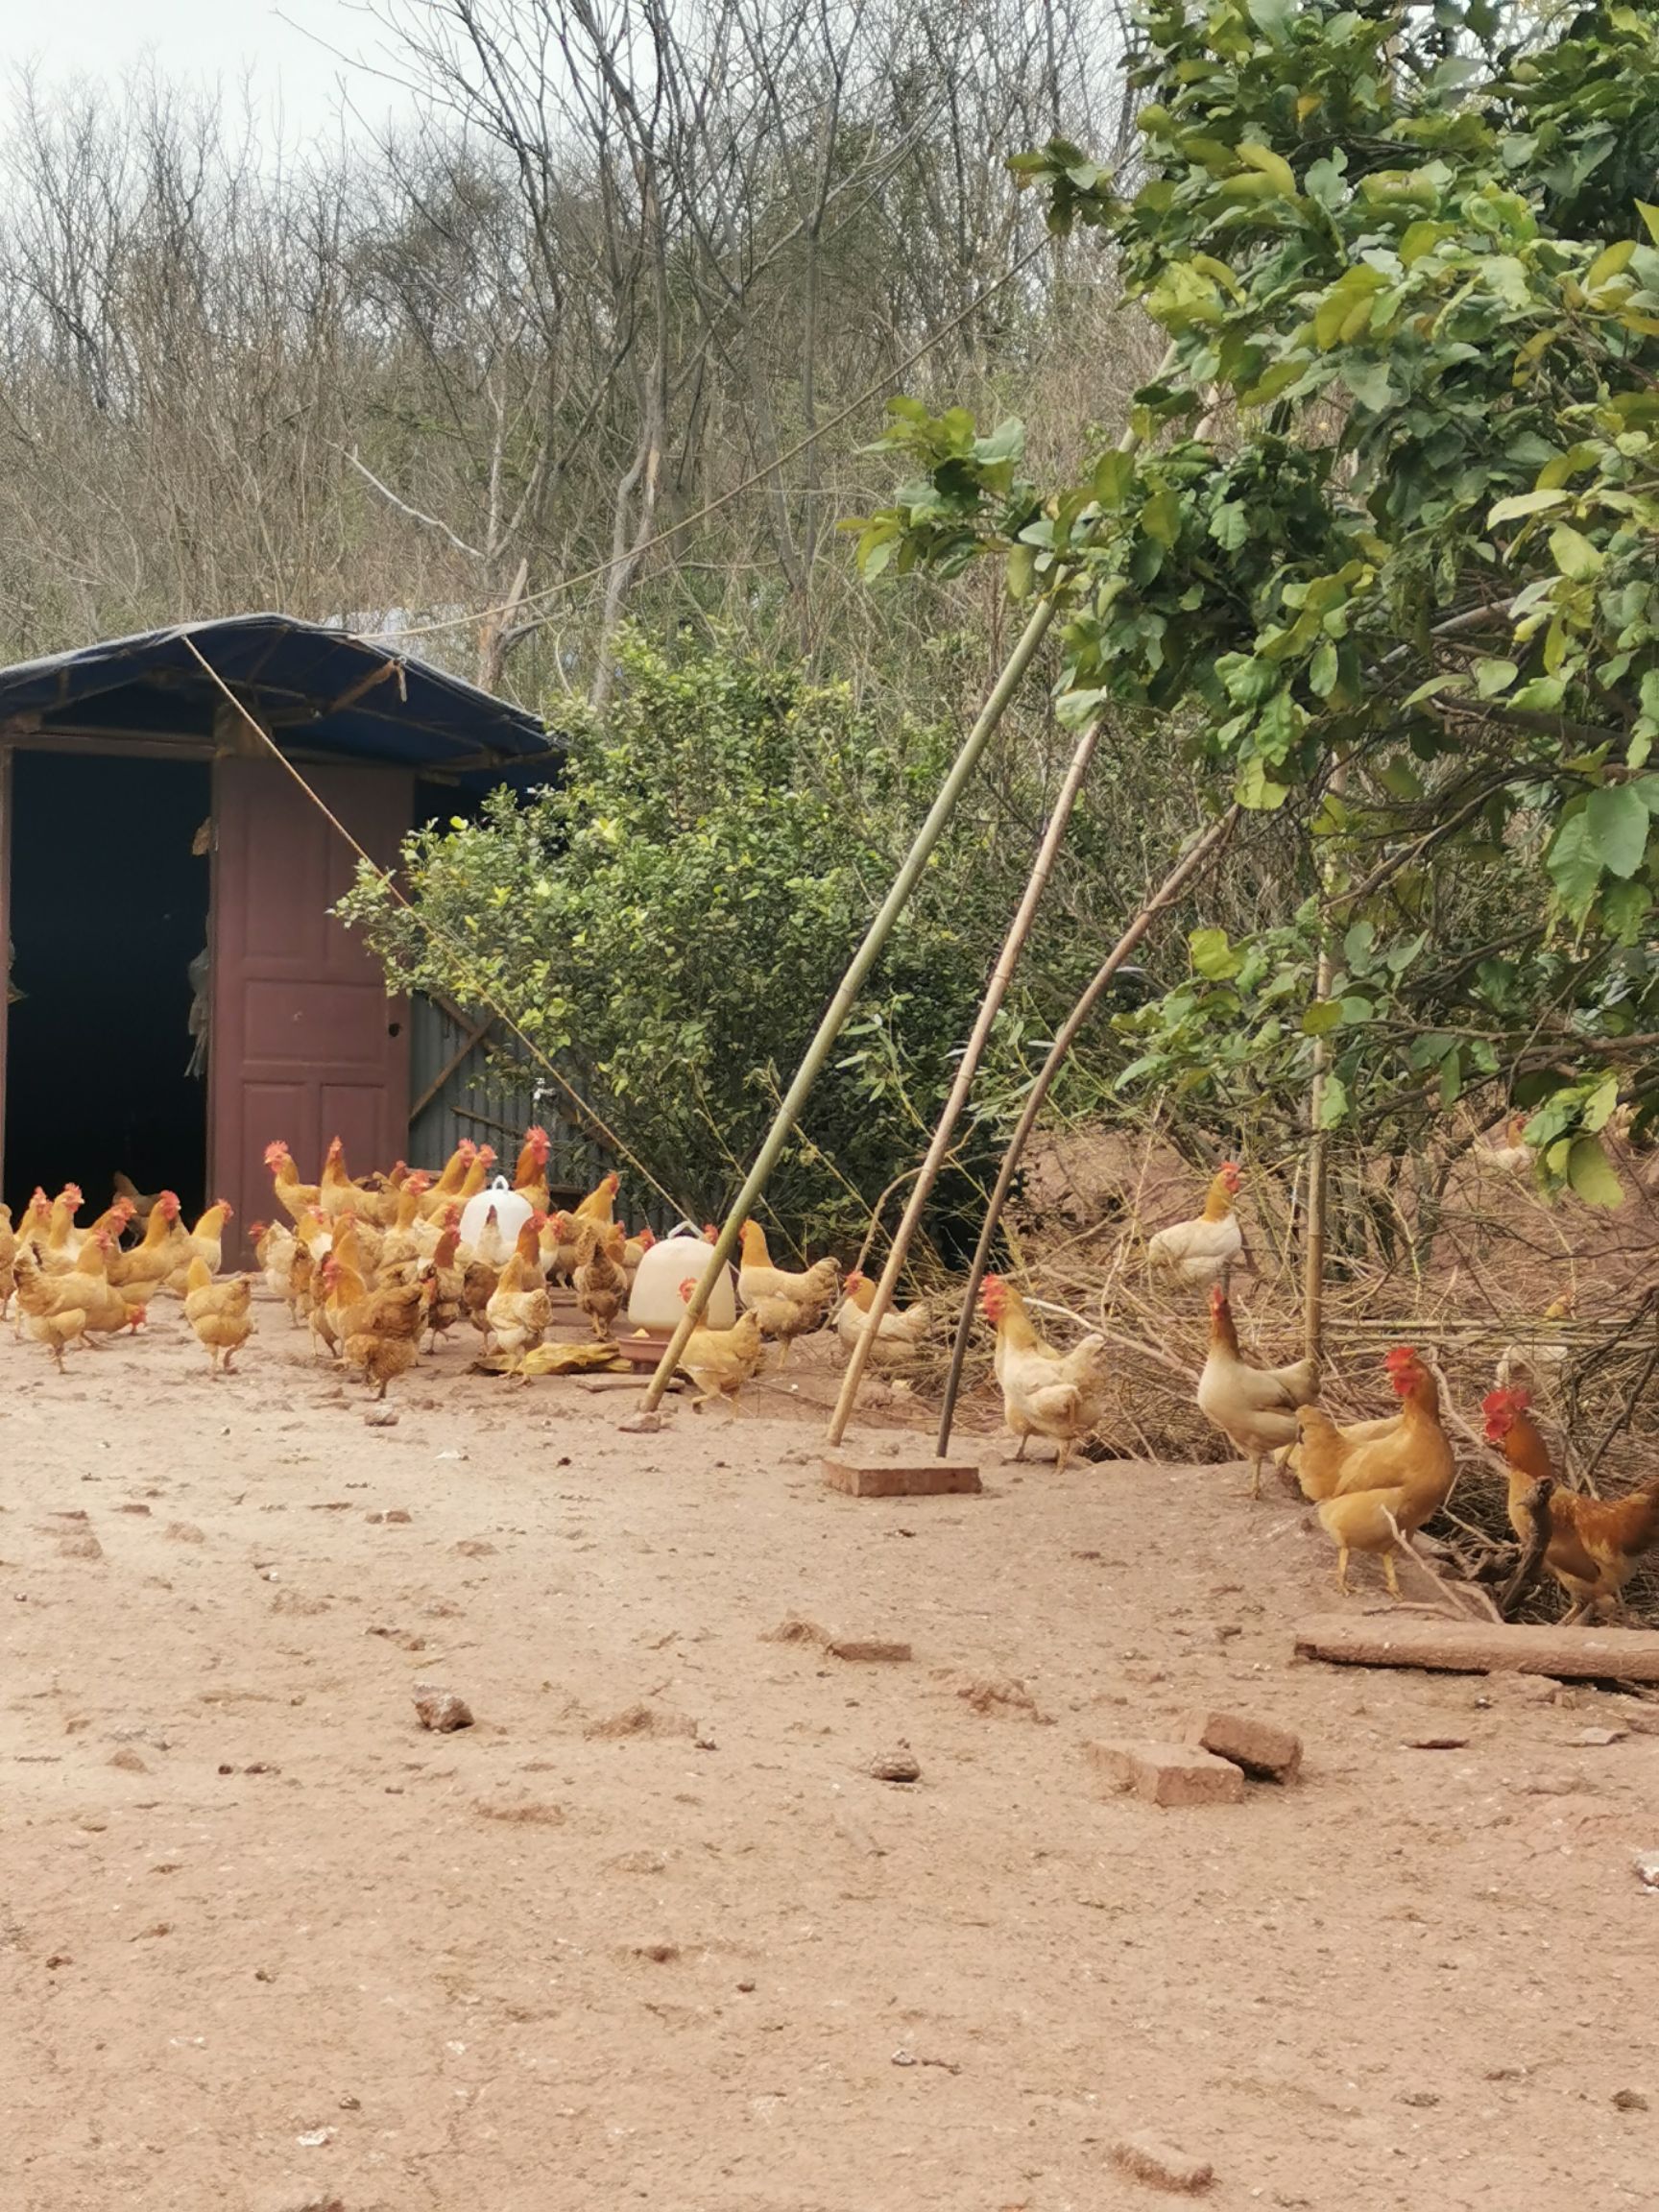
[(863, 960), (1194, 861), (1313, 1258), (1318, 1166), (996, 990)]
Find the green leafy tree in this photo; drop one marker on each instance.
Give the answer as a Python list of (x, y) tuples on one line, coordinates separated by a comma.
[(674, 916), (1387, 555)]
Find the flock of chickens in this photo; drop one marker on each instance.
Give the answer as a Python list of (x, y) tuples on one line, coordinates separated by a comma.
[(375, 1267), (1376, 1482)]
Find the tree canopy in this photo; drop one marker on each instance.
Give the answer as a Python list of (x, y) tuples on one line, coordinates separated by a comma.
[(1382, 548), (673, 916)]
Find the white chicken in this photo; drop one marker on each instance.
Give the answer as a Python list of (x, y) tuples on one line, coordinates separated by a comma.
[(1044, 1393), (274, 1245), (1513, 1157), (1200, 1251), (1255, 1407), (900, 1335), (1538, 1365)]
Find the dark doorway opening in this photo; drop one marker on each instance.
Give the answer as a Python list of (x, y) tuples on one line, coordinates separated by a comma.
[(108, 909)]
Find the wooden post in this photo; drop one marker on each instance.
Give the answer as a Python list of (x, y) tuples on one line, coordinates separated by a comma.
[(996, 990), (1195, 860)]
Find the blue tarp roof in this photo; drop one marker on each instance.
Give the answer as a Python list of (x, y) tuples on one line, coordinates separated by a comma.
[(322, 693)]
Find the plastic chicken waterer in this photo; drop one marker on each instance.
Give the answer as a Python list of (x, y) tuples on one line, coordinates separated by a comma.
[(655, 1302), (512, 1212)]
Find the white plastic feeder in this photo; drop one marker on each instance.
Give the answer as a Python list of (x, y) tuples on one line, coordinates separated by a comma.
[(655, 1302), (512, 1212)]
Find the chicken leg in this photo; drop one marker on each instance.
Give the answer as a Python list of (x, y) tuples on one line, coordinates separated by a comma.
[(716, 1397)]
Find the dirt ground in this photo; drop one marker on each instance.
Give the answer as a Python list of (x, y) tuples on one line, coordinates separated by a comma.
[(651, 1931)]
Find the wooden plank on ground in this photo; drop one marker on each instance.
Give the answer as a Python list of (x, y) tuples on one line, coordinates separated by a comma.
[(600, 1382), (1480, 1647)]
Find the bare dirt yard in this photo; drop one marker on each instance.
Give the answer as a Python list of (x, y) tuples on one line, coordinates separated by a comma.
[(651, 1931)]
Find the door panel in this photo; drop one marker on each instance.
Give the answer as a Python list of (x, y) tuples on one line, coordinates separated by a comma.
[(5, 933), (305, 1045)]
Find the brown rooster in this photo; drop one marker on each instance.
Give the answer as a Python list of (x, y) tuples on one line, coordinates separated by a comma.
[(1596, 1544)]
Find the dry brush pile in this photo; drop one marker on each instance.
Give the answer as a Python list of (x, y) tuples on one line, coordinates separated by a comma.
[(1486, 1279)]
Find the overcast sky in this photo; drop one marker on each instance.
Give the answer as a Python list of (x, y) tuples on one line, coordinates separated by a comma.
[(208, 42)]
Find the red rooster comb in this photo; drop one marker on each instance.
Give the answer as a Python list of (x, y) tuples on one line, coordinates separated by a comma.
[(1502, 1408), (1516, 1401)]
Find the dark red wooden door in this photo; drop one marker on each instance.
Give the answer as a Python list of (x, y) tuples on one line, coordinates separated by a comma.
[(305, 1045), (5, 933)]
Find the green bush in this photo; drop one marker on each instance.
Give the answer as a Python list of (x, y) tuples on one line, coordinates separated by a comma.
[(673, 918)]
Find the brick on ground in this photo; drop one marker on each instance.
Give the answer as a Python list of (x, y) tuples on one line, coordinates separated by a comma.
[(901, 1479), (1269, 1753), (1162, 2164), (1169, 1773)]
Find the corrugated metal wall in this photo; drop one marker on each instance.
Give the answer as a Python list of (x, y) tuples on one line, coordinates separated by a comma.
[(490, 1095)]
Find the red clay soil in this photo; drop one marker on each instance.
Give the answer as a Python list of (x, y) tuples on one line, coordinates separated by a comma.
[(651, 1930)]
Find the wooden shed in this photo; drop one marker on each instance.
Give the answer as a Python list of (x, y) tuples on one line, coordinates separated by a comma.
[(161, 874)]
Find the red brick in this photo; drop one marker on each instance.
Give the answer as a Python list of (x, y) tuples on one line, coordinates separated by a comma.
[(902, 1478), (1269, 1753), (1162, 2164), (1169, 1773)]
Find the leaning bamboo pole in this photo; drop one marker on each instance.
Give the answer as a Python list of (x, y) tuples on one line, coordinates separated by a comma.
[(1196, 858), (996, 990), (1318, 1175), (1318, 1146), (863, 960)]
